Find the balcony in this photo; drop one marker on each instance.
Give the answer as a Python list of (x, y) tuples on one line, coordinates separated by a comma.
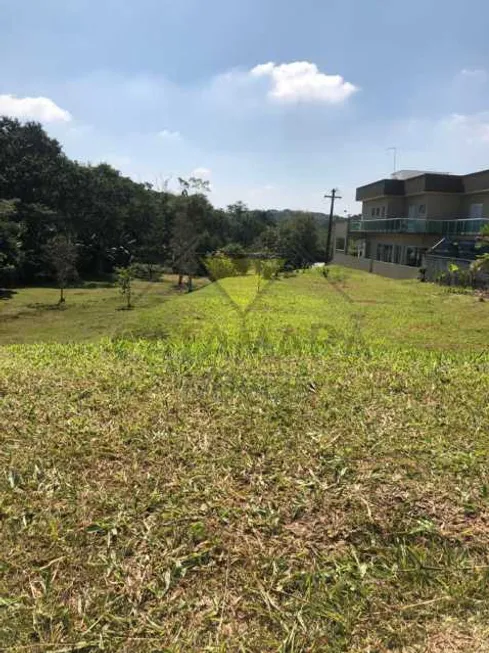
[(417, 226)]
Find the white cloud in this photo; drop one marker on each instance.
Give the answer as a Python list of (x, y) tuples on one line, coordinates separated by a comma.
[(33, 108), (166, 134), (474, 73), (201, 173), (472, 128), (303, 81)]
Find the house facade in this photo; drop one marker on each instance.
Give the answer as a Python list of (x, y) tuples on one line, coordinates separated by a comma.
[(405, 216)]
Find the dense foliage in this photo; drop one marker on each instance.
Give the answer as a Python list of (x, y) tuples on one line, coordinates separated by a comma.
[(114, 221)]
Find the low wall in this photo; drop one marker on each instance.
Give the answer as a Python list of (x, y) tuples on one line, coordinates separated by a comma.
[(390, 270), (395, 271), (436, 265), (359, 263)]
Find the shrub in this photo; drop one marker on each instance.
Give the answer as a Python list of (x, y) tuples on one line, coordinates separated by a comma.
[(268, 268), (220, 266)]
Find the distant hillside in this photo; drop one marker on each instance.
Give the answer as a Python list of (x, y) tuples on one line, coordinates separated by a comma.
[(321, 218)]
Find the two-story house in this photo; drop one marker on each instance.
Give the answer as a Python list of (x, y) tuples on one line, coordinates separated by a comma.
[(404, 216)]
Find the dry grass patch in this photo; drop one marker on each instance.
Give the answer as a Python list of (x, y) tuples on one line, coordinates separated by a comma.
[(188, 499)]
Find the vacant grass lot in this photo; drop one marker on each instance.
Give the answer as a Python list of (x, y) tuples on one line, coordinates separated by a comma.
[(311, 476), (29, 315), (349, 305)]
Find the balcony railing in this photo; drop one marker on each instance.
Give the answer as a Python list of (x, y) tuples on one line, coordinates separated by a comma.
[(418, 226)]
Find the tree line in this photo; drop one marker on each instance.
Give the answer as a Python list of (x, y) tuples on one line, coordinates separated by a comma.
[(61, 218)]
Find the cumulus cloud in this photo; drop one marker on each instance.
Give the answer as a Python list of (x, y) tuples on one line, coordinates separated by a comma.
[(303, 81), (33, 108), (201, 173), (168, 135)]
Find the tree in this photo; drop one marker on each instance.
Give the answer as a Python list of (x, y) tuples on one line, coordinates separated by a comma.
[(183, 245), (61, 255), (220, 266), (245, 225), (10, 245), (237, 254), (267, 269), (116, 221), (481, 264), (125, 277), (30, 162), (191, 211), (194, 185)]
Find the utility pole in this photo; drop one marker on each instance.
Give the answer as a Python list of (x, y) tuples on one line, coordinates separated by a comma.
[(333, 197)]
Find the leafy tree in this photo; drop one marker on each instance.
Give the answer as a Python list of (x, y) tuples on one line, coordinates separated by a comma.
[(267, 269), (246, 225), (220, 266), (299, 241), (481, 264), (183, 246), (237, 254), (116, 221), (10, 246), (125, 278), (30, 163), (61, 255), (193, 185), (38, 225), (191, 212), (268, 240)]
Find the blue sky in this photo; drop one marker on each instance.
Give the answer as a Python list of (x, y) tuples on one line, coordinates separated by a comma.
[(274, 102)]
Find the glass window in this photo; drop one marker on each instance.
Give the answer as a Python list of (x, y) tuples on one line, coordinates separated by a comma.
[(414, 256), (377, 212), (422, 209), (373, 212), (411, 256), (398, 254), (383, 211), (387, 254)]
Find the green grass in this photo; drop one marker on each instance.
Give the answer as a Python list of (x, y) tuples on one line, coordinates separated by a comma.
[(31, 315), (243, 485), (348, 305)]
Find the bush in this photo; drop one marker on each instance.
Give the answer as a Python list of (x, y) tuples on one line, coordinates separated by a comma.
[(220, 266), (268, 268), (236, 252)]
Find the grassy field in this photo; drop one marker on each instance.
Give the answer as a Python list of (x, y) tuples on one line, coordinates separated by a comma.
[(299, 469), (30, 315), (348, 305)]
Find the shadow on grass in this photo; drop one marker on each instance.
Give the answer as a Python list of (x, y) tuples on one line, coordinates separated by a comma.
[(48, 307), (5, 293)]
